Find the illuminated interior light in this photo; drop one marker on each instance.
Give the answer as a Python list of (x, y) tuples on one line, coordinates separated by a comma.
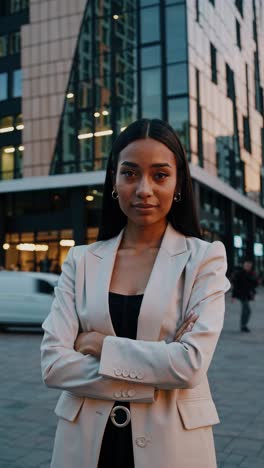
[(7, 129), (41, 248), (97, 114), (115, 17), (103, 133), (95, 191), (83, 136), (20, 127), (105, 112), (70, 95), (11, 149), (32, 247), (89, 198), (21, 148), (67, 243), (6, 246), (28, 247)]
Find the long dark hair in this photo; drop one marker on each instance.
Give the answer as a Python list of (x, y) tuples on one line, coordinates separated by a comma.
[(182, 215)]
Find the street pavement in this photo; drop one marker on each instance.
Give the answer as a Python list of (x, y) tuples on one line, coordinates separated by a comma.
[(27, 420)]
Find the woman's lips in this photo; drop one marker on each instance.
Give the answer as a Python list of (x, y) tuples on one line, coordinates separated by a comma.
[(144, 209)]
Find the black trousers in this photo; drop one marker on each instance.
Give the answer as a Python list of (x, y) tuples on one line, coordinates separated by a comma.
[(245, 312)]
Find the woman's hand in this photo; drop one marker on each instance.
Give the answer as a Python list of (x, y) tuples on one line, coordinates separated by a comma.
[(186, 326), (90, 343)]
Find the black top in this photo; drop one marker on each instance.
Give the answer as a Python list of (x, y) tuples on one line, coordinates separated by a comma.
[(117, 449)]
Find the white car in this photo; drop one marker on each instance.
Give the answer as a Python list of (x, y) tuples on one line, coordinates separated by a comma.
[(25, 297)]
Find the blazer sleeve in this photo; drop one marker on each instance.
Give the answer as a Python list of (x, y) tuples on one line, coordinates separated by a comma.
[(178, 364), (66, 369)]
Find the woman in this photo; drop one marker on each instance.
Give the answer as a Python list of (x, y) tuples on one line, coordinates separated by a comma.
[(103, 353)]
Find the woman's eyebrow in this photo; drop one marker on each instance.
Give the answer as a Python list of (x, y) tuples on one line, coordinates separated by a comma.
[(132, 164)]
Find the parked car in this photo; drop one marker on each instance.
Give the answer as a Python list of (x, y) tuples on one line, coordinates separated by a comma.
[(25, 297)]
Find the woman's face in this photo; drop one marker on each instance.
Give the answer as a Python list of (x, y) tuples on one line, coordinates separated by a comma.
[(146, 175)]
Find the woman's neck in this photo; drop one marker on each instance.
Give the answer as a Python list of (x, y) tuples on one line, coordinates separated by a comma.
[(143, 237)]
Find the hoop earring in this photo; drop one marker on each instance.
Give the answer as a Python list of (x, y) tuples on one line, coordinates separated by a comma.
[(177, 197), (113, 192)]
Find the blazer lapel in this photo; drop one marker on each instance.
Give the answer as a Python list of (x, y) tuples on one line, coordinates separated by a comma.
[(167, 269), (99, 266), (169, 264)]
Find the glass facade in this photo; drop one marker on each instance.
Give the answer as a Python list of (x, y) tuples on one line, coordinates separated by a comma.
[(131, 62)]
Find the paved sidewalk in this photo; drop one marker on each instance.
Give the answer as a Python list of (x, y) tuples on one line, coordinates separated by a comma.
[(27, 420)]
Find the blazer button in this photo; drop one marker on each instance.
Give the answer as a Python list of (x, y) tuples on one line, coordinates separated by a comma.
[(140, 375), (125, 373), (141, 441), (117, 394), (132, 374), (131, 393), (117, 371)]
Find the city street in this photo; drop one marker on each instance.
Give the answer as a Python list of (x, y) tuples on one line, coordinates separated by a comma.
[(27, 420)]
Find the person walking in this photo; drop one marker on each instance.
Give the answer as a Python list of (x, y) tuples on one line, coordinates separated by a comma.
[(136, 319), (244, 289)]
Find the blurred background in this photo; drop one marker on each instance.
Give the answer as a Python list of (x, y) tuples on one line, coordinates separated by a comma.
[(74, 74)]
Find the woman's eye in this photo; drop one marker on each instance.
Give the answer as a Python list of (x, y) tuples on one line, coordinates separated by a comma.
[(162, 175), (127, 172)]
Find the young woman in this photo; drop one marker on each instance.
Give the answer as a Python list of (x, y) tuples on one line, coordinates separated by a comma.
[(120, 332)]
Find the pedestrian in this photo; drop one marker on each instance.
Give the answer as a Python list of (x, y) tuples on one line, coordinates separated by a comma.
[(136, 319), (244, 288)]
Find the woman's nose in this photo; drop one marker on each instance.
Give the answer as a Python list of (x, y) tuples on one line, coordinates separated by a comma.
[(144, 187)]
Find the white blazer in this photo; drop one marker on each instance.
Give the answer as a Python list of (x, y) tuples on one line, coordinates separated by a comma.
[(172, 410)]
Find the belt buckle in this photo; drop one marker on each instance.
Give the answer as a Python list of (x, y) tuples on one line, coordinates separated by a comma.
[(113, 414)]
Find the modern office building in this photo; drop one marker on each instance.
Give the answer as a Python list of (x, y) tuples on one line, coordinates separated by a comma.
[(74, 74)]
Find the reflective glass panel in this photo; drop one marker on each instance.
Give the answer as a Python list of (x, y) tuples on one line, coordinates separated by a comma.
[(177, 79), (150, 26), (17, 83), (178, 118), (176, 33), (151, 93), (150, 56), (3, 86), (3, 46)]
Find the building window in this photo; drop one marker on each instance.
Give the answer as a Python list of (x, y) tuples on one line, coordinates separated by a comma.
[(238, 35), (212, 2), (7, 162), (178, 117), (17, 84), (3, 46), (197, 7), (14, 43), (10, 7), (229, 82), (151, 95), (213, 63), (246, 134), (7, 124), (3, 86), (177, 82), (18, 5), (239, 5), (150, 29), (176, 33)]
